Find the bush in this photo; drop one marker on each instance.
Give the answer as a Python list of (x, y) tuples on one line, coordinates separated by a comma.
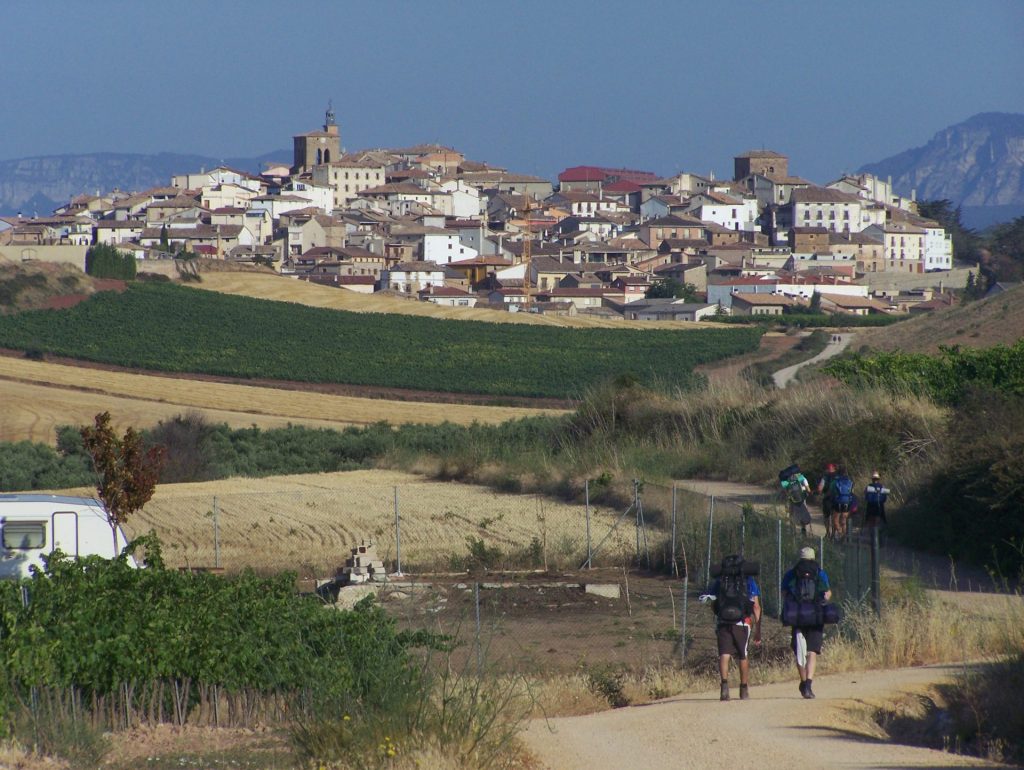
[(970, 506), (103, 261), (124, 639)]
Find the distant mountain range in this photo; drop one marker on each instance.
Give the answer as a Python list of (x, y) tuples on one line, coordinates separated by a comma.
[(39, 185), (978, 164)]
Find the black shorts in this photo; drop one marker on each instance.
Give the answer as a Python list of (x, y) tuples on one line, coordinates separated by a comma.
[(813, 635), (732, 640)]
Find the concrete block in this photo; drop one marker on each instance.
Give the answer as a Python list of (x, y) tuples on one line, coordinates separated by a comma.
[(607, 590)]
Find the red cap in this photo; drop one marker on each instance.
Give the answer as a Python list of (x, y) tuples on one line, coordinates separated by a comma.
[(831, 467)]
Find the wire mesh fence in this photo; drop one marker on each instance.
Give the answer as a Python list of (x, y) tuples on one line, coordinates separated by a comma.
[(538, 583)]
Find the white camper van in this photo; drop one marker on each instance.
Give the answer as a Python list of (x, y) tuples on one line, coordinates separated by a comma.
[(32, 526)]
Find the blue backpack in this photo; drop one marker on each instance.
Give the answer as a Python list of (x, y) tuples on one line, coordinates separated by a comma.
[(844, 490)]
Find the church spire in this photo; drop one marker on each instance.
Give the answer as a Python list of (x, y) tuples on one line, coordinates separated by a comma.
[(330, 116)]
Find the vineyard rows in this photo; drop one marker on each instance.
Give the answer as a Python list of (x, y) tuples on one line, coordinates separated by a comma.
[(175, 329)]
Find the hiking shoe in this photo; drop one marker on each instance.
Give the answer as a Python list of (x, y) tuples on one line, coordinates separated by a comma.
[(725, 691), (803, 687), (808, 692), (744, 692)]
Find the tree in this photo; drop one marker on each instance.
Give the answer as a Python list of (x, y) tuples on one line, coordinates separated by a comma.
[(814, 306), (670, 287), (104, 261), (966, 242), (126, 472)]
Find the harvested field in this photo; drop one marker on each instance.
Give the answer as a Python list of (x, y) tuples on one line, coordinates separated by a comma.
[(308, 523), (38, 396), (275, 287)]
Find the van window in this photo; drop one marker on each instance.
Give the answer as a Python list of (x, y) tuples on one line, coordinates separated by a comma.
[(24, 534)]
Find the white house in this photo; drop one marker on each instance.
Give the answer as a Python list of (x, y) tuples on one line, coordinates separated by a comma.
[(938, 247), (319, 195), (276, 205), (466, 202), (834, 210), (903, 244), (111, 232), (412, 277), (217, 176), (434, 244), (730, 212), (448, 296)]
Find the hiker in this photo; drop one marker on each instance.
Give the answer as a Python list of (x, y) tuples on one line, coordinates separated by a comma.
[(796, 488), (842, 502), (806, 587), (825, 490), (737, 606), (875, 495)]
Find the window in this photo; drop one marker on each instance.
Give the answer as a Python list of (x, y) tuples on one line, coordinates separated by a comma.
[(24, 534)]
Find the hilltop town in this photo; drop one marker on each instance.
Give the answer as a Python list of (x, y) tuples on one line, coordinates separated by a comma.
[(427, 223)]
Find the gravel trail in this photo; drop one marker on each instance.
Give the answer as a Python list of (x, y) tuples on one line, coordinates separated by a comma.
[(776, 728)]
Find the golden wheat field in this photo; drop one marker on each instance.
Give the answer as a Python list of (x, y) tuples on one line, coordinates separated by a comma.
[(38, 396), (308, 523), (275, 287)]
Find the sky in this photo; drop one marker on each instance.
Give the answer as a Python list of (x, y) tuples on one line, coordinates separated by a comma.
[(530, 85)]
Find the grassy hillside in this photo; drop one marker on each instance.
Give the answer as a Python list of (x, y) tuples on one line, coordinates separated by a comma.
[(37, 285), (170, 328), (987, 322)]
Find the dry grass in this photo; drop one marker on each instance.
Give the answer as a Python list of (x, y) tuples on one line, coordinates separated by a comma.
[(274, 287), (39, 396), (309, 522), (998, 320)]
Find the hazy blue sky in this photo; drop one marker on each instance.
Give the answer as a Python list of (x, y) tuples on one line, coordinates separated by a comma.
[(531, 85)]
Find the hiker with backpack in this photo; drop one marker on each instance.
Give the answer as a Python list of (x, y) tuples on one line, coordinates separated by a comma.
[(875, 495), (825, 490), (843, 503), (737, 606), (805, 590), (796, 489)]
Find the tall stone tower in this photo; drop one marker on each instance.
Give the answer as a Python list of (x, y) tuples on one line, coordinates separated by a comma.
[(765, 162), (317, 147)]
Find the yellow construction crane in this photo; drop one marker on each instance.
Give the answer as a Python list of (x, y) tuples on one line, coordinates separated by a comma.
[(527, 243)]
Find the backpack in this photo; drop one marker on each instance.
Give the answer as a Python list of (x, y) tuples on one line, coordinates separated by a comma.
[(844, 490), (789, 470), (801, 608), (733, 599), (875, 494), (795, 490), (806, 580)]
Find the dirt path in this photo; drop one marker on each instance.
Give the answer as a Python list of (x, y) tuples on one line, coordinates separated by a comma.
[(776, 728), (772, 346), (783, 377)]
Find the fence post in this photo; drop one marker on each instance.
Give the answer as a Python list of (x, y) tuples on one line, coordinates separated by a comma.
[(398, 537), (216, 533), (590, 552), (636, 512), (743, 532), (778, 564), (682, 635), (675, 569), (479, 653), (711, 524), (876, 579)]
